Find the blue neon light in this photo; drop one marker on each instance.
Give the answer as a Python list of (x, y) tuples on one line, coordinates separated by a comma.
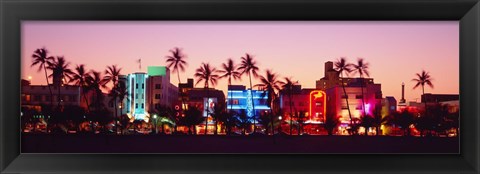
[(249, 104)]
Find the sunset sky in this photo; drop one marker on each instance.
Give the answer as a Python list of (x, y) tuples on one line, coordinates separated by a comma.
[(298, 49)]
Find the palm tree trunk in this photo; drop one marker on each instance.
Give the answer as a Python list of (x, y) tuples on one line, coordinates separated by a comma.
[(424, 99), (58, 97), (271, 118), (48, 85), (51, 94), (253, 104), (85, 98), (298, 122), (363, 102), (346, 100), (291, 114), (231, 105), (208, 113)]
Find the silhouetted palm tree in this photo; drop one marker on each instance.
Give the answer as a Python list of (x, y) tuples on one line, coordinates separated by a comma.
[(122, 94), (367, 121), (423, 79), (229, 70), (342, 67), (208, 75), (79, 78), (41, 58), (193, 116), (362, 69), (61, 72), (176, 62), (287, 86), (270, 85), (112, 74), (96, 82), (248, 66), (403, 119), (331, 122), (242, 120)]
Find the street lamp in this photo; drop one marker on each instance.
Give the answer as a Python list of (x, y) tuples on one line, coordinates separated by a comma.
[(279, 125), (155, 120)]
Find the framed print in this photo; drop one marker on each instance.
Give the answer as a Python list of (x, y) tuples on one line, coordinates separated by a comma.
[(203, 86)]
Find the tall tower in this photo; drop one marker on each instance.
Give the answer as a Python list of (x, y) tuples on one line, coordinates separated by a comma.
[(402, 101)]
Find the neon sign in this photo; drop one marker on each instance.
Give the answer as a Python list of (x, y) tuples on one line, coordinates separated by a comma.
[(317, 104)]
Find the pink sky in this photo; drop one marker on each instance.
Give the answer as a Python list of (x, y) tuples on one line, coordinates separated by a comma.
[(394, 50)]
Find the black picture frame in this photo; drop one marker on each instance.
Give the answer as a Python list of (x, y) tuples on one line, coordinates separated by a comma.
[(13, 12)]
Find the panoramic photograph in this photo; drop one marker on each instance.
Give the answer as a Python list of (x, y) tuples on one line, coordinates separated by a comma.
[(276, 87)]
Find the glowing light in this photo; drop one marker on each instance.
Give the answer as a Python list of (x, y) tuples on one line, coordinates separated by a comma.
[(155, 116), (367, 108), (280, 117), (29, 77), (249, 104), (318, 94)]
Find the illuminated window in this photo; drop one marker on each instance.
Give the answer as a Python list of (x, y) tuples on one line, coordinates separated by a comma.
[(27, 98), (235, 102)]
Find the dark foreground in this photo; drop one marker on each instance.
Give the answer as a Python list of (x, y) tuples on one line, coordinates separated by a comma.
[(47, 143)]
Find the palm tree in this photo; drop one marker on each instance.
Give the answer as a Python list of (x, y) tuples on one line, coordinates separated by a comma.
[(362, 69), (193, 116), (270, 84), (342, 67), (79, 78), (423, 79), (177, 63), (242, 121), (229, 70), (41, 58), (112, 74), (60, 72), (209, 75), (96, 82), (331, 122), (403, 119), (249, 67), (287, 86), (122, 94)]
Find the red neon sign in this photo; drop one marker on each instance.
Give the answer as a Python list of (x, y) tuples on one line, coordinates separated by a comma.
[(318, 96)]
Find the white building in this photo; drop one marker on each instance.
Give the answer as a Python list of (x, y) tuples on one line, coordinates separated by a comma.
[(148, 91)]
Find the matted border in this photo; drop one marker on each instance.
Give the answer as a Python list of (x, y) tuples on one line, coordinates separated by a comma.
[(14, 11)]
